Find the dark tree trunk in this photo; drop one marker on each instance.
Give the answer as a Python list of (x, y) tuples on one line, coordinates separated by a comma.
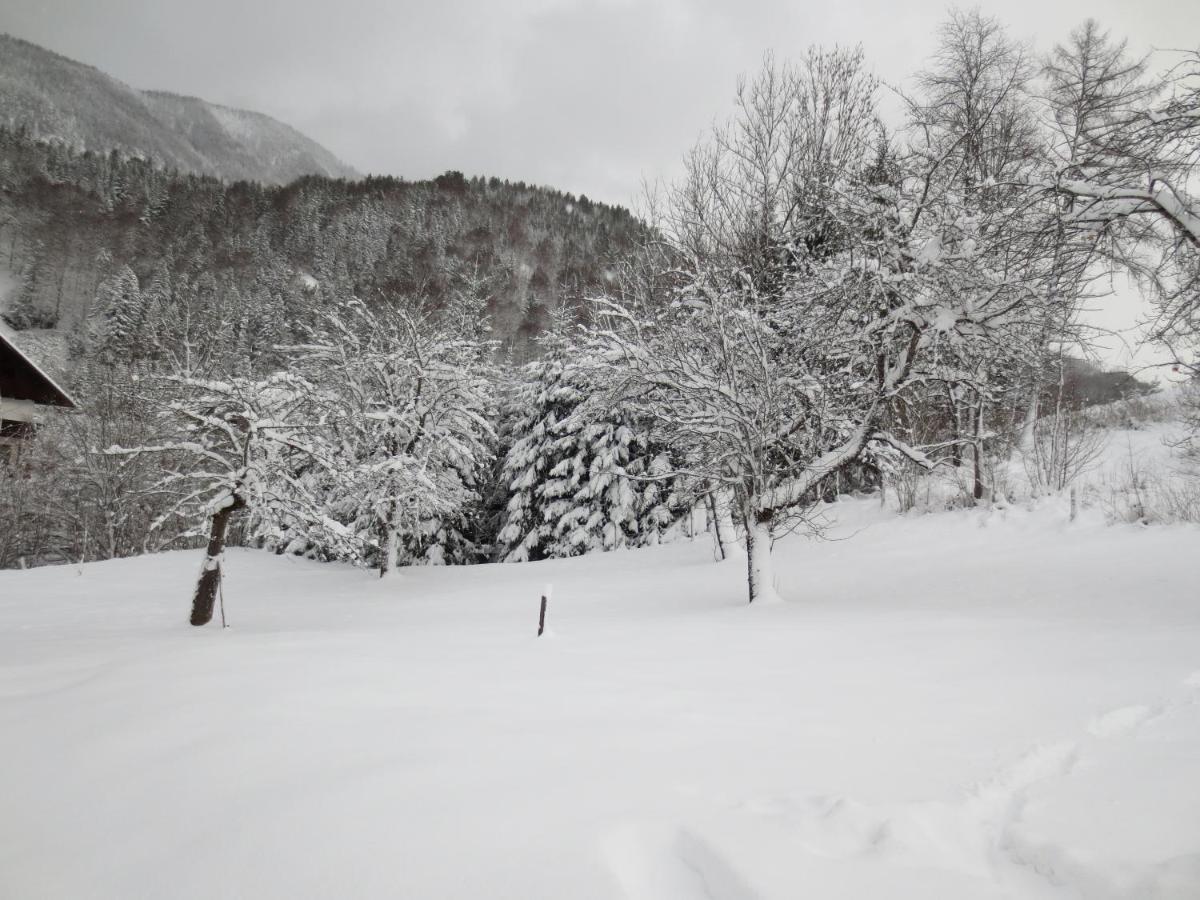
[(956, 453), (205, 597), (711, 509), (759, 574), (978, 487)]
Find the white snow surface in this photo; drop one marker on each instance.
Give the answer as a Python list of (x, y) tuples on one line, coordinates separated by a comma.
[(977, 704)]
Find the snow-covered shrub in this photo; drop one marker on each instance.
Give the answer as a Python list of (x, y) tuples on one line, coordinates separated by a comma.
[(31, 534), (914, 488), (1065, 446)]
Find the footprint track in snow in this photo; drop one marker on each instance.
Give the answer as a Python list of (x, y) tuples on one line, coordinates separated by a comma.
[(671, 862), (1122, 721), (978, 834), (964, 835), (1125, 720)]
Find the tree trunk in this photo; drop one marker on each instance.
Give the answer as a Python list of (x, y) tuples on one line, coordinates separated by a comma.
[(1029, 424), (391, 544), (205, 597), (956, 454), (723, 522), (759, 572), (391, 556), (710, 512)]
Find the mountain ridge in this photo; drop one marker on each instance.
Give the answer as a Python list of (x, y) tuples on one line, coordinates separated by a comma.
[(59, 98)]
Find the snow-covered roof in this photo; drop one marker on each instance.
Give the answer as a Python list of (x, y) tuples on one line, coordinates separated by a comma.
[(23, 379)]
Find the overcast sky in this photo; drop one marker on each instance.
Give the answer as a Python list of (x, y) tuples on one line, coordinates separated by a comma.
[(589, 96)]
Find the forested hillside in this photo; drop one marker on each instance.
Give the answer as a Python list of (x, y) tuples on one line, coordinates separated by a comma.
[(74, 227)]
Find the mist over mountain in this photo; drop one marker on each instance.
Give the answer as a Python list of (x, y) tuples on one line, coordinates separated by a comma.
[(59, 99)]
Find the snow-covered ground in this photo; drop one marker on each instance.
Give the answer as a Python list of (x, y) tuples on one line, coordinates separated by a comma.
[(976, 704)]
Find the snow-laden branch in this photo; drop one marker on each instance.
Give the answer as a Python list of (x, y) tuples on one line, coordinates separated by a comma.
[(1109, 203), (797, 489)]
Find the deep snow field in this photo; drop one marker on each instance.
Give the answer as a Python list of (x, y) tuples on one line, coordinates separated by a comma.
[(973, 704)]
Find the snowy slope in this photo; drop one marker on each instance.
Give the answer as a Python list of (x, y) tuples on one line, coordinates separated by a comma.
[(966, 705)]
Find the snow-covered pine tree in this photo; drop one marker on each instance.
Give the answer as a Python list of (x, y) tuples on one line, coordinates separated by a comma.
[(581, 477), (122, 308)]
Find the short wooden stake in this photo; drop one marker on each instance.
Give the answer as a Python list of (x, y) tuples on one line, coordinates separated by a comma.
[(542, 614)]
